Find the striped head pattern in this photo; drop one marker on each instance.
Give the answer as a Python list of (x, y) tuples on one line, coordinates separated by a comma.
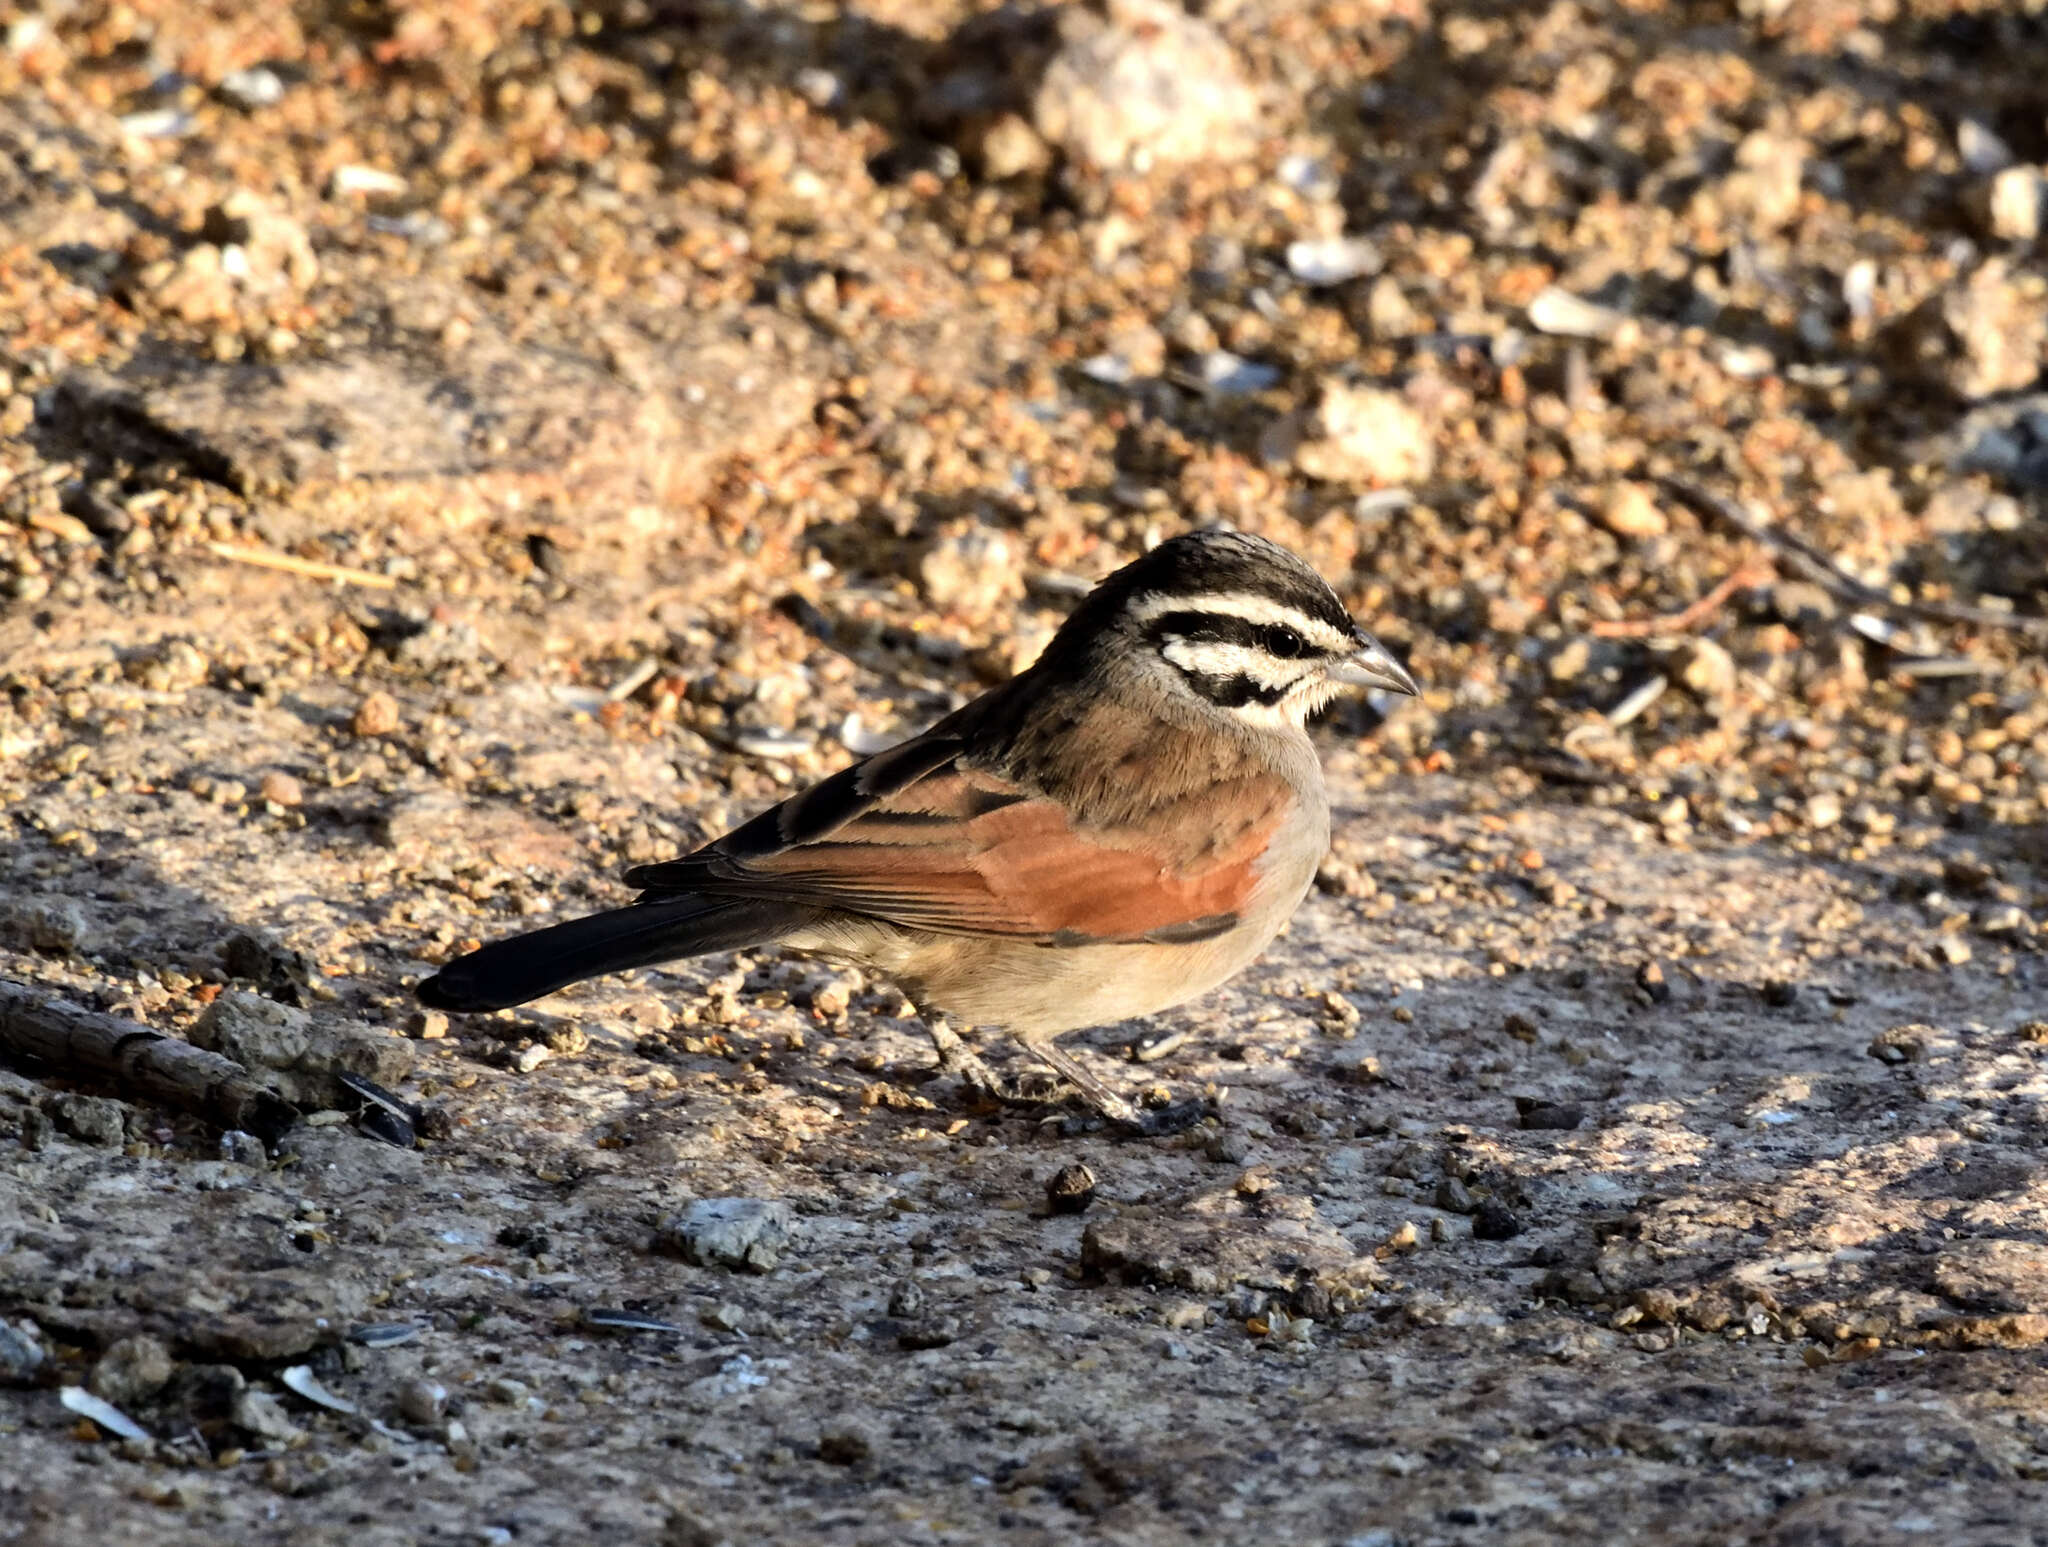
[(1240, 623)]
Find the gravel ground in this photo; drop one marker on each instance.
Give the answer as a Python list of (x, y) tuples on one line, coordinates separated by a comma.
[(1638, 1136)]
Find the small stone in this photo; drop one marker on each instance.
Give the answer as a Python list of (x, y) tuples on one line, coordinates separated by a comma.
[(972, 573), (531, 1057), (422, 1402), (243, 1149), (1227, 1148), (742, 1233), (1244, 1303), (1763, 192), (725, 1317), (1311, 1301), (1570, 661), (428, 1025), (1141, 82), (21, 1352), (55, 925), (1070, 1189), (1652, 983), (1823, 810), (1357, 1067), (131, 1371), (1363, 435), (1952, 949), (281, 789), (1010, 147), (1493, 1220), (1802, 604), (252, 89), (1779, 993), (2005, 919), (1708, 671), (1630, 510), (376, 715), (1454, 1197), (37, 1130), (846, 1442), (931, 1332), (1548, 1116), (506, 1391), (1900, 1044), (261, 1416), (1982, 335), (256, 1032), (94, 1119), (2014, 202), (1405, 1238)]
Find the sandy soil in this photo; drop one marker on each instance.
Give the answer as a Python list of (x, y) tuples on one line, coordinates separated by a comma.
[(1638, 1136)]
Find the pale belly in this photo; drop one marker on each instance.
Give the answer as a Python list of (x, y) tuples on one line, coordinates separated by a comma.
[(1037, 991)]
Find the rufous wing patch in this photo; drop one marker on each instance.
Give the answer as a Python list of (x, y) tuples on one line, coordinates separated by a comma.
[(965, 851)]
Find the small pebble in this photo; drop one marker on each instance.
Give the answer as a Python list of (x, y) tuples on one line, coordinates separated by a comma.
[(1070, 1189), (846, 1442), (1494, 1221), (422, 1402), (376, 715), (745, 1233), (1548, 1116), (932, 1332), (281, 789), (131, 1371)]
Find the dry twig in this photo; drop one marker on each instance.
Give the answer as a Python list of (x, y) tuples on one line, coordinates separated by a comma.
[(1687, 619), (88, 1043), (264, 558)]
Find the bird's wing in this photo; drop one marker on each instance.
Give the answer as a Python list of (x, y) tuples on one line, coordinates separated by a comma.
[(960, 849)]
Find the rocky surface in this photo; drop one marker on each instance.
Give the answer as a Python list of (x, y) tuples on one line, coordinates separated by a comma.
[(448, 453)]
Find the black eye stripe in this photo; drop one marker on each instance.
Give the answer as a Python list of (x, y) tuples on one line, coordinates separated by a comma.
[(1234, 692)]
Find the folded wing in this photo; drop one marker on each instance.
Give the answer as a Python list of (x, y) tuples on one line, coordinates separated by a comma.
[(964, 850)]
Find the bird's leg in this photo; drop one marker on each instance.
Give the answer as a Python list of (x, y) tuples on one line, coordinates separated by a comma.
[(1117, 1108), (956, 1057)]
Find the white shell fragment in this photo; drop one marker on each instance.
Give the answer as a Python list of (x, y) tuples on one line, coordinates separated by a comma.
[(366, 180), (1636, 702), (1565, 315), (300, 1379), (105, 1414), (1333, 260), (864, 740), (1229, 375)]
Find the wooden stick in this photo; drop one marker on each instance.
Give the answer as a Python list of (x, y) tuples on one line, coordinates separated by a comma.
[(1825, 572), (77, 1041), (1688, 619), (313, 569)]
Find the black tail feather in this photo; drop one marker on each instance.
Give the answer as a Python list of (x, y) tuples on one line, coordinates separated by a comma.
[(512, 971)]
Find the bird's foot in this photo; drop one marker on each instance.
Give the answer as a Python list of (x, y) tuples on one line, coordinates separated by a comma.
[(1033, 1088)]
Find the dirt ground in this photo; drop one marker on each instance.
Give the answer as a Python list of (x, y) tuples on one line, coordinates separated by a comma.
[(1636, 1138)]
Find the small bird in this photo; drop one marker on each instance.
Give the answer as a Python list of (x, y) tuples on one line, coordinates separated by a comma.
[(1119, 828)]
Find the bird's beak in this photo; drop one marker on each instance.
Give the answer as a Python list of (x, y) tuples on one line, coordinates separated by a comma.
[(1369, 666)]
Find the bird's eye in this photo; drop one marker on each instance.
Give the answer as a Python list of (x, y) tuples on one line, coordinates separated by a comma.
[(1282, 641)]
